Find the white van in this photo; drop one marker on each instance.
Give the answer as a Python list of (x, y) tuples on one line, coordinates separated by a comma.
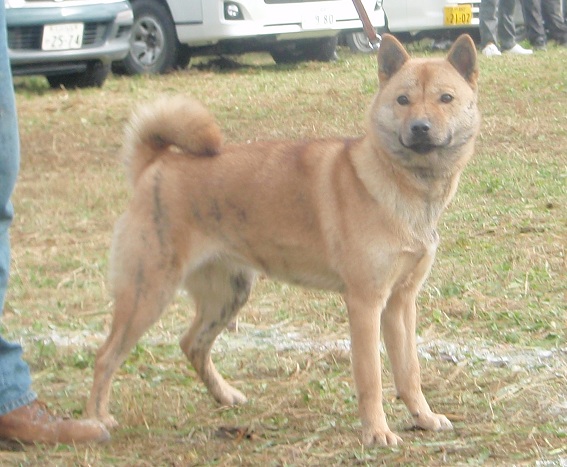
[(415, 19), (166, 33)]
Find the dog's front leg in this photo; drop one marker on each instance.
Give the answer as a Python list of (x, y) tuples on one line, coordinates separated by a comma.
[(399, 327), (364, 317)]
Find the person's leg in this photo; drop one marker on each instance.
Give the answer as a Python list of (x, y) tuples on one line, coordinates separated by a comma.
[(488, 22), (22, 417), (15, 380), (554, 21), (533, 21), (506, 26)]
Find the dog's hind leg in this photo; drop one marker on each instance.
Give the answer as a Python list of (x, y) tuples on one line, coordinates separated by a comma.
[(144, 279), (219, 292)]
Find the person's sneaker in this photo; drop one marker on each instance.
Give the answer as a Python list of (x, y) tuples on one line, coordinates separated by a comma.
[(34, 423), (519, 50), (491, 51)]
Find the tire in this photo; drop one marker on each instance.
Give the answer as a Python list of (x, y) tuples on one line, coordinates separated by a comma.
[(93, 77), (322, 50), (358, 42), (153, 44)]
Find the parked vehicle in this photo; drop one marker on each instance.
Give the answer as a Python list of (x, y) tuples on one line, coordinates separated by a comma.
[(72, 42), (167, 33), (414, 19)]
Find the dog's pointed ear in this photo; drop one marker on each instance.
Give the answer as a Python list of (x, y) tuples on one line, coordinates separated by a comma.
[(463, 58), (391, 57)]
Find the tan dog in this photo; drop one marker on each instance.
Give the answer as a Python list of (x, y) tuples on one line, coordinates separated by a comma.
[(356, 216)]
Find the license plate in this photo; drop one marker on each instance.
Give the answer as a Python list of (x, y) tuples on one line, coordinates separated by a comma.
[(320, 19), (458, 14), (62, 36)]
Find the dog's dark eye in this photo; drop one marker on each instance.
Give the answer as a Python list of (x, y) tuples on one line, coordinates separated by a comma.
[(402, 100), (446, 98)]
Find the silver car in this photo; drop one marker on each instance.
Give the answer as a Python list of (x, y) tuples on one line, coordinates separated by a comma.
[(71, 42)]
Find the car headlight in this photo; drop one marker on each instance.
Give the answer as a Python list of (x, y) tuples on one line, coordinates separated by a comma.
[(125, 16)]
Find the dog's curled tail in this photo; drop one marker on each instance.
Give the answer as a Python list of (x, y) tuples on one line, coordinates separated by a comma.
[(180, 123)]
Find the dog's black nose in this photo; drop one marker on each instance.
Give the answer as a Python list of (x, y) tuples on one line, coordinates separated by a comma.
[(420, 128)]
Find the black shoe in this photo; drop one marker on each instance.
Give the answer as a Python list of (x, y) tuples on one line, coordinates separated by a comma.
[(539, 44)]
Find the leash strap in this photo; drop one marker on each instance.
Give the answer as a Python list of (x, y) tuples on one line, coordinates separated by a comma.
[(374, 39)]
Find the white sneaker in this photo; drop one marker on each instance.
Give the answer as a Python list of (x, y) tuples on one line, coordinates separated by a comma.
[(492, 51), (519, 50)]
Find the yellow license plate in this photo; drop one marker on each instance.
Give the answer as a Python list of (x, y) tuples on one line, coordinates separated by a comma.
[(458, 14)]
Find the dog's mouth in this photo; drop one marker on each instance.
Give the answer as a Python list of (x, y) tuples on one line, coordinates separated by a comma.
[(424, 145), (419, 147), (422, 148)]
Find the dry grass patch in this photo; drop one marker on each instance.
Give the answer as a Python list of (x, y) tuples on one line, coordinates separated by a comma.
[(492, 315)]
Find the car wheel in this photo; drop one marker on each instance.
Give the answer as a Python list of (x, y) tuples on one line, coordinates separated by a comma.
[(153, 43), (94, 76), (323, 50), (358, 42)]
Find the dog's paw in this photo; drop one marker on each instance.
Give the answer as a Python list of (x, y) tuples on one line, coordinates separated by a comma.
[(102, 415), (232, 396), (374, 437), (108, 420), (433, 422)]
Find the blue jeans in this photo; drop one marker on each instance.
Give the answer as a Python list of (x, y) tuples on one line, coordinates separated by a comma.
[(15, 379)]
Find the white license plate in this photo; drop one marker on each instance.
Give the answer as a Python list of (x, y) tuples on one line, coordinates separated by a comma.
[(62, 36), (320, 19)]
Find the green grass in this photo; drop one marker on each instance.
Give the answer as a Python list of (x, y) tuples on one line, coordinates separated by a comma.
[(492, 315)]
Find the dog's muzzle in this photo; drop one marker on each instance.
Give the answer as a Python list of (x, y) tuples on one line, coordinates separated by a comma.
[(419, 138)]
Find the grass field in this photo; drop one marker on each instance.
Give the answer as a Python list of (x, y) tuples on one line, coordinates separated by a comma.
[(493, 318)]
